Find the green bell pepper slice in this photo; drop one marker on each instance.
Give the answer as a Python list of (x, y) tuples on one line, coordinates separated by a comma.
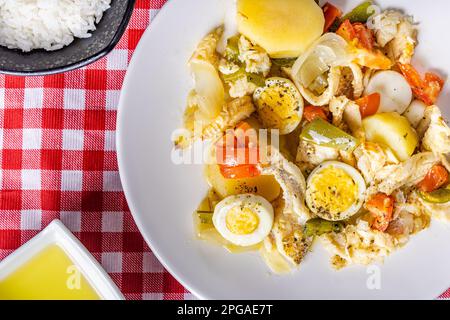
[(254, 78), (439, 196), (318, 227), (232, 49), (205, 217), (324, 134), (361, 13), (284, 62), (235, 76)]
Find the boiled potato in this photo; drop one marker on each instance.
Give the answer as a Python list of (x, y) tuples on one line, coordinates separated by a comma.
[(393, 130), (415, 112), (395, 91), (285, 29), (265, 186)]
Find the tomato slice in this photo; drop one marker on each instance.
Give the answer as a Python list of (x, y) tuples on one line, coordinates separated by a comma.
[(359, 32), (363, 41), (427, 89), (311, 113), (240, 172), (347, 31), (331, 13), (369, 105), (237, 153), (381, 206), (365, 36), (435, 179)]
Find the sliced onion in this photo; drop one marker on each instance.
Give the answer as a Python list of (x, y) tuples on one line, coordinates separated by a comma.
[(209, 88), (230, 24), (330, 49), (313, 68), (328, 53), (333, 80)]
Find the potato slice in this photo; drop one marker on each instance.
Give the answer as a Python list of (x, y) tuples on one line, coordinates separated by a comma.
[(396, 93), (279, 105), (264, 186), (285, 29), (415, 112), (393, 130)]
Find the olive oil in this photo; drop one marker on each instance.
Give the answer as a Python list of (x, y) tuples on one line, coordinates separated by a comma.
[(49, 275)]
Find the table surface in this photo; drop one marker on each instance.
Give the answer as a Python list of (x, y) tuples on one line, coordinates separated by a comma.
[(58, 161)]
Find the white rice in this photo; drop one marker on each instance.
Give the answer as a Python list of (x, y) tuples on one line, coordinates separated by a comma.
[(48, 24)]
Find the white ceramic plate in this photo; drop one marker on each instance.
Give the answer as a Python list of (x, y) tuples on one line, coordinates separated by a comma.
[(162, 196)]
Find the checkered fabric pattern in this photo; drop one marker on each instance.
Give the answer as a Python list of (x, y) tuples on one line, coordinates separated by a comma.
[(58, 161)]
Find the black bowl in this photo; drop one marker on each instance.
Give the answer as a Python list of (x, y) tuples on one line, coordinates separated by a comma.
[(79, 53)]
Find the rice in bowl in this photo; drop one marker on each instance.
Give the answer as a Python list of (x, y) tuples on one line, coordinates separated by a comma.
[(48, 24)]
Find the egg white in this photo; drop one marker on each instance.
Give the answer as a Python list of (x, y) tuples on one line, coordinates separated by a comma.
[(260, 206)]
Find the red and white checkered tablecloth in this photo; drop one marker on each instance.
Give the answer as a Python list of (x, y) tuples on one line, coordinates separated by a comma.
[(58, 161)]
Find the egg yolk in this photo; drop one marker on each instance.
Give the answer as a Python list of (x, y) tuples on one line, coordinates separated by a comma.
[(242, 221), (335, 191), (276, 104)]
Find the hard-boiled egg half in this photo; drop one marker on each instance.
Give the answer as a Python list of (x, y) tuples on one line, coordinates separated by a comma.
[(279, 105), (335, 191), (244, 220)]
